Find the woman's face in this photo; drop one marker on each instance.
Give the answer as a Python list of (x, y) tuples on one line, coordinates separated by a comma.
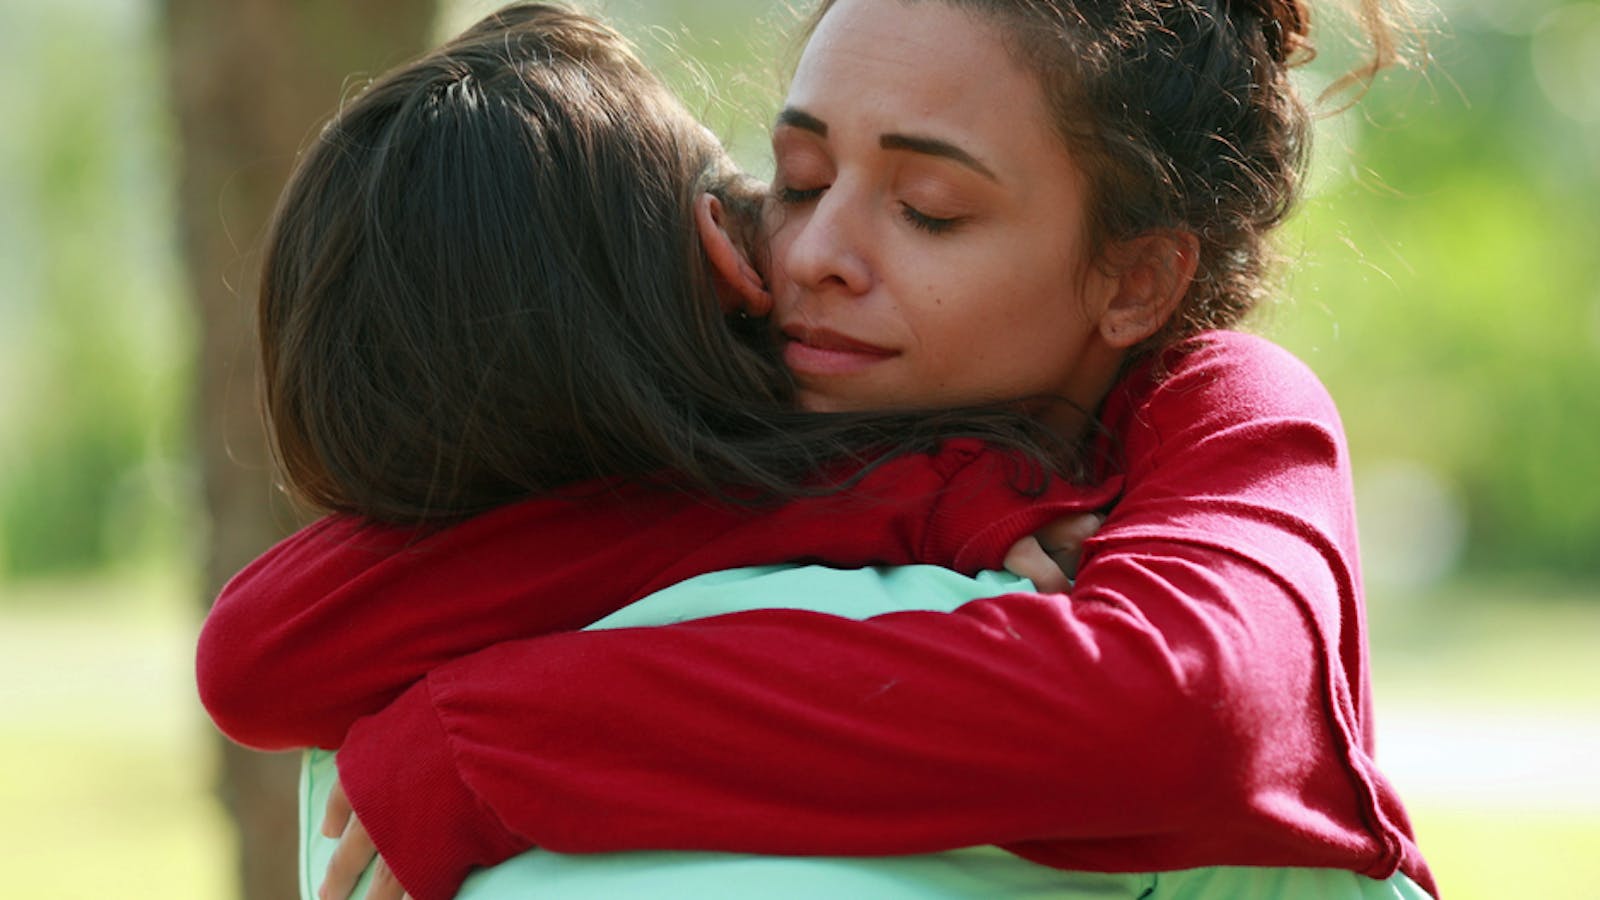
[(931, 250)]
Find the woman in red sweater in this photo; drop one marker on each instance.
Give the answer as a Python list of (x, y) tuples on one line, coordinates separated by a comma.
[(1199, 698)]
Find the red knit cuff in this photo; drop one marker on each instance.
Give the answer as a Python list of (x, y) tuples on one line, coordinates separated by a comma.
[(398, 770), (986, 506)]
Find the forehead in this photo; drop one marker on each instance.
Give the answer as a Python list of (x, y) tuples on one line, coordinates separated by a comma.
[(925, 67)]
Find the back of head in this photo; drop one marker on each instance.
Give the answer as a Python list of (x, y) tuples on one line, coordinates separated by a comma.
[(483, 280)]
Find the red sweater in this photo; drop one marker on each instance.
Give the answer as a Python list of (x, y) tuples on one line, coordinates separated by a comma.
[(1200, 698), (335, 621)]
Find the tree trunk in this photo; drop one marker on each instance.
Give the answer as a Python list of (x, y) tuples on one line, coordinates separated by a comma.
[(250, 81)]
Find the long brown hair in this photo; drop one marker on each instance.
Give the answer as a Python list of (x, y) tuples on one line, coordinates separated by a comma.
[(483, 282)]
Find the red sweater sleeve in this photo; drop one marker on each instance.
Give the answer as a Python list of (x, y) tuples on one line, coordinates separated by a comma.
[(336, 620), (1199, 699)]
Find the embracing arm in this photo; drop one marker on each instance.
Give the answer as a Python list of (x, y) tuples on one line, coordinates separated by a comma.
[(1011, 719), (1198, 697), (337, 620)]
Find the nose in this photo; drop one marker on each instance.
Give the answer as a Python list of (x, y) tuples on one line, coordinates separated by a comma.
[(826, 250)]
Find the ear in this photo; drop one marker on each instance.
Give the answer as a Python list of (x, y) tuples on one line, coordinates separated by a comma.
[(1150, 273), (740, 288)]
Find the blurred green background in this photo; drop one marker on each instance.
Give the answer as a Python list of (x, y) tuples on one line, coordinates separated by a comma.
[(1445, 282)]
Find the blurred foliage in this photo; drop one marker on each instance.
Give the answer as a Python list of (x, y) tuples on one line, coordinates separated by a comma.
[(1444, 279), (93, 335), (1449, 291)]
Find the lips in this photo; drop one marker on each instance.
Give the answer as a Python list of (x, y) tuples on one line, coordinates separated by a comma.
[(819, 351)]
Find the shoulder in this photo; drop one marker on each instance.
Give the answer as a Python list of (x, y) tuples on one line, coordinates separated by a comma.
[(1220, 383), (1243, 372), (1222, 377)]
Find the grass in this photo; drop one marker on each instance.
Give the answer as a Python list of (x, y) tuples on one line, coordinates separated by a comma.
[(1486, 854), (105, 756), (106, 760), (1489, 704), (1489, 643)]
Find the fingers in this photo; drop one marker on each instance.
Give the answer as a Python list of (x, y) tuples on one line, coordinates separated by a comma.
[(350, 858), (384, 885), (1049, 557), (1068, 534), (336, 814), (1063, 540), (1028, 559)]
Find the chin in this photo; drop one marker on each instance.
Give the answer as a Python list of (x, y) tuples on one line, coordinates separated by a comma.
[(812, 401)]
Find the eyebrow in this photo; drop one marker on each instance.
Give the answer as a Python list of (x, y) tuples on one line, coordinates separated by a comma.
[(934, 147), (798, 118), (927, 146)]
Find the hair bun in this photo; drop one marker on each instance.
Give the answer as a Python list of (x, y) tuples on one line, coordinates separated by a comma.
[(1285, 23)]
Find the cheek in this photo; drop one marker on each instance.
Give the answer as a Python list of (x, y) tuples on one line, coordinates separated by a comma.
[(779, 240), (962, 310), (1055, 286)]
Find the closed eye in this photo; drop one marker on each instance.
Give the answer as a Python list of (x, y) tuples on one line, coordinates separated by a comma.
[(794, 196), (924, 222)]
